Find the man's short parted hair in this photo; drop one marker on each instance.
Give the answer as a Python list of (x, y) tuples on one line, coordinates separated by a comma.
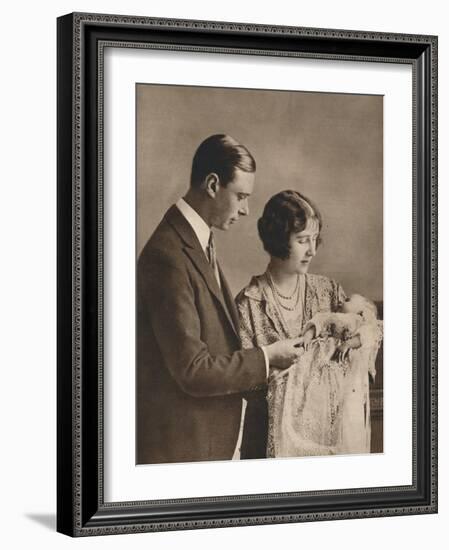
[(222, 155), (285, 213)]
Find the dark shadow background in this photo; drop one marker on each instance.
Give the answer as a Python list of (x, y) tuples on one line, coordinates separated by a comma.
[(327, 146)]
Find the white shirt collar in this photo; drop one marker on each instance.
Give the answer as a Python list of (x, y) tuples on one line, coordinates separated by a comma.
[(199, 226)]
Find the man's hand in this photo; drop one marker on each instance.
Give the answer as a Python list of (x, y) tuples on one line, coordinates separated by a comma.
[(285, 352), (307, 338)]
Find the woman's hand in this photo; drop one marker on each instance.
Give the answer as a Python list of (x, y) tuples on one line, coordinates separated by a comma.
[(342, 353)]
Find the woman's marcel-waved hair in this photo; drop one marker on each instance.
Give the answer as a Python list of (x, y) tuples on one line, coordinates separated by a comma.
[(285, 213)]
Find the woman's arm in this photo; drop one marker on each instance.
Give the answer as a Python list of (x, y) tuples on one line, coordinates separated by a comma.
[(246, 329)]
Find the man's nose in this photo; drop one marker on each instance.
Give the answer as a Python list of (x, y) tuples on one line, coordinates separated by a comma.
[(244, 208)]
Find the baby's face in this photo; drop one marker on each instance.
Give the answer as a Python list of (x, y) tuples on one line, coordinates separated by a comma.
[(355, 304)]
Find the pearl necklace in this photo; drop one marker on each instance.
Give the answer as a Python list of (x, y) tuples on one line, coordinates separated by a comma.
[(277, 295)]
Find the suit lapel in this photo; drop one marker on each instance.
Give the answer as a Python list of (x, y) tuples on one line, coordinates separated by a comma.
[(227, 294), (193, 249)]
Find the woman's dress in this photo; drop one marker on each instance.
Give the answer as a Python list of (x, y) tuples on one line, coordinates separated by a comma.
[(317, 406)]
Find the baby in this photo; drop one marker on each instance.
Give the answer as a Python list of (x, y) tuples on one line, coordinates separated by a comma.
[(347, 326), (320, 406)]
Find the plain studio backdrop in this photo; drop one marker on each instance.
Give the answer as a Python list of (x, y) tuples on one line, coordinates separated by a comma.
[(28, 222), (326, 146)]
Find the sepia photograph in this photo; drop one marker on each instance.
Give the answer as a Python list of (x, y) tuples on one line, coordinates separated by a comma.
[(259, 274), (247, 274)]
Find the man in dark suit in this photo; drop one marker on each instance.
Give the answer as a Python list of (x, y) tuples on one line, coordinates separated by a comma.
[(191, 372)]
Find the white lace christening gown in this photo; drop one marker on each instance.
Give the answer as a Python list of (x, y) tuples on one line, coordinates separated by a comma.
[(321, 407)]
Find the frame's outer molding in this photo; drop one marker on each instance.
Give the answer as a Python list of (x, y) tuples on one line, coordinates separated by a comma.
[(80, 507), (65, 273)]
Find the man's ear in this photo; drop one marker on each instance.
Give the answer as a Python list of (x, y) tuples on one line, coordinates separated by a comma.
[(212, 183)]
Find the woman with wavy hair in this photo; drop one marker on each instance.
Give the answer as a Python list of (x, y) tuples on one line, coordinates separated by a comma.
[(320, 405)]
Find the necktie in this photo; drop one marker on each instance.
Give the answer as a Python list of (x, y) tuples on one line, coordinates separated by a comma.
[(212, 257)]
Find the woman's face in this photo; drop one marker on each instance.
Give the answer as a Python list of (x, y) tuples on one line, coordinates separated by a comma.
[(302, 248)]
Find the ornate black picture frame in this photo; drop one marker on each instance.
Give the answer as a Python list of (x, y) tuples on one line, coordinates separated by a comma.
[(81, 508)]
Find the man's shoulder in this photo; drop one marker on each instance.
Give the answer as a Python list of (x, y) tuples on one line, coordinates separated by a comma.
[(164, 243)]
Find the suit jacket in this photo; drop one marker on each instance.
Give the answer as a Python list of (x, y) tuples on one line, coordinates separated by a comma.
[(191, 371)]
